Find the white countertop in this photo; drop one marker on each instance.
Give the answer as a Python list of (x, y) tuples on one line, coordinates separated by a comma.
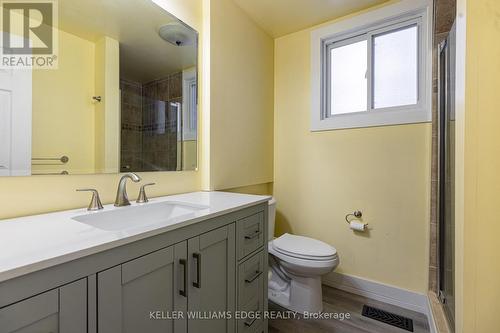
[(32, 243)]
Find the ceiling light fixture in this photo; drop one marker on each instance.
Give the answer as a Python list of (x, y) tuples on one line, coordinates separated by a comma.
[(177, 34)]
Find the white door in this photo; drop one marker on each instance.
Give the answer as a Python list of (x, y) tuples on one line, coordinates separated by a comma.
[(15, 122)]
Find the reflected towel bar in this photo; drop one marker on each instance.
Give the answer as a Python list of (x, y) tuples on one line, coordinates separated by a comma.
[(64, 172), (63, 160)]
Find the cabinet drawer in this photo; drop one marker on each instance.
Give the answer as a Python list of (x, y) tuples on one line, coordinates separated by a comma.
[(251, 275), (250, 231), (255, 321)]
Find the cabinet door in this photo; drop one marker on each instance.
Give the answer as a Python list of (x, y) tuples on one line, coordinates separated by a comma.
[(61, 310), (212, 280), (144, 294)]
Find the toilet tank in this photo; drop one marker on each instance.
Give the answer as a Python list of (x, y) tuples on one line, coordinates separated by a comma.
[(272, 217)]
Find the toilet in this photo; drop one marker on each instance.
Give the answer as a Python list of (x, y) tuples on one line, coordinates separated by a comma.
[(296, 264)]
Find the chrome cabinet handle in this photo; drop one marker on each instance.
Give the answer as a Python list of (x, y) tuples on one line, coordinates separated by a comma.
[(182, 292), (254, 277), (254, 235), (95, 202), (197, 283), (142, 193), (250, 323)]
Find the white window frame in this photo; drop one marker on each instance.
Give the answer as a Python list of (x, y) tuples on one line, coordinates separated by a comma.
[(189, 100), (376, 22)]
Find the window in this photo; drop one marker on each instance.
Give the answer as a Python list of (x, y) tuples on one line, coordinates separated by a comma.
[(347, 76), (189, 96), (395, 68), (371, 76), (391, 80)]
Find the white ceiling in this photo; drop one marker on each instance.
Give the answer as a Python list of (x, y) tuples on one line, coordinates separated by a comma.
[(144, 56), (281, 17)]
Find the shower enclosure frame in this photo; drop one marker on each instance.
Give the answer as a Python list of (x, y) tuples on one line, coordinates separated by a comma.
[(446, 162)]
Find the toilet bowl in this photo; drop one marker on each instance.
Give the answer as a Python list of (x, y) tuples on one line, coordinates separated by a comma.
[(296, 264)]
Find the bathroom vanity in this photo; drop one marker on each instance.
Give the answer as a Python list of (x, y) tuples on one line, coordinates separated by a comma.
[(164, 266)]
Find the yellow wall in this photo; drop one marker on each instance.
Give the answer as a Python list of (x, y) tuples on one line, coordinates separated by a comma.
[(478, 184), (320, 177), (259, 189), (190, 154), (107, 112), (38, 194), (67, 107), (64, 103), (241, 99)]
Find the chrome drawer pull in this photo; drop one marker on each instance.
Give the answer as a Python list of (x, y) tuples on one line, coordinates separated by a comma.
[(253, 278), (250, 323), (255, 235)]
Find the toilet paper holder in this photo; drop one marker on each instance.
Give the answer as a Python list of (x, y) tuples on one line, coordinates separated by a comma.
[(356, 225), (356, 214)]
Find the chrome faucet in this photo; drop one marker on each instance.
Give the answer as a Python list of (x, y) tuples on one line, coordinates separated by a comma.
[(121, 194)]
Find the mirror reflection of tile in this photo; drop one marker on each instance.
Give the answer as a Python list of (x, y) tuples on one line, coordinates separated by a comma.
[(149, 128)]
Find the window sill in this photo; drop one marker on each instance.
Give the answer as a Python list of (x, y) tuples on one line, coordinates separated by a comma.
[(388, 117)]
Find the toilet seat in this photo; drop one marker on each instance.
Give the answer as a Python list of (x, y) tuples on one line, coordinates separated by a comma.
[(305, 248)]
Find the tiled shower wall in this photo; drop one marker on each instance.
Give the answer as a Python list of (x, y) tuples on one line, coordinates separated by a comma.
[(444, 16), (131, 126), (149, 124), (160, 123)]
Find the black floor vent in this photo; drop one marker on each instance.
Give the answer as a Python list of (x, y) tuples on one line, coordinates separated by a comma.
[(388, 318)]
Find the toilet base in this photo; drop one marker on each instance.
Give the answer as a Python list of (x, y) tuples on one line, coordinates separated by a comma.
[(300, 294)]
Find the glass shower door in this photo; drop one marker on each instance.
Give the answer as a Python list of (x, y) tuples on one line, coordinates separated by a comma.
[(447, 176)]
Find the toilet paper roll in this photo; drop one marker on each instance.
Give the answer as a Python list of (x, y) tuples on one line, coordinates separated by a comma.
[(359, 226)]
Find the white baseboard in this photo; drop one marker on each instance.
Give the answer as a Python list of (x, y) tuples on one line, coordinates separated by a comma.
[(430, 317), (382, 292)]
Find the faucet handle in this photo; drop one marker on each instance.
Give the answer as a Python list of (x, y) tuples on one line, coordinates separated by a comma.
[(95, 202), (142, 193)]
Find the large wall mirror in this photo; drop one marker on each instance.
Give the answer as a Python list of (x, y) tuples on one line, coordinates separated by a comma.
[(122, 98)]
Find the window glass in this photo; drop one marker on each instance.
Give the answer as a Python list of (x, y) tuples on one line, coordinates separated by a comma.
[(348, 86), (395, 68)]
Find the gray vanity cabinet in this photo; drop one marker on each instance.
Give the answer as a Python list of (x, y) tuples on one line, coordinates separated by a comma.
[(143, 294), (193, 279), (212, 280), (61, 310), (147, 293)]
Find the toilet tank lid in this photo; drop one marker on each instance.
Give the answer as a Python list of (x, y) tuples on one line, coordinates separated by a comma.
[(304, 246)]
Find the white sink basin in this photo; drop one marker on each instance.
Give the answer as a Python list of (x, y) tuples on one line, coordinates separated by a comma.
[(139, 216)]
